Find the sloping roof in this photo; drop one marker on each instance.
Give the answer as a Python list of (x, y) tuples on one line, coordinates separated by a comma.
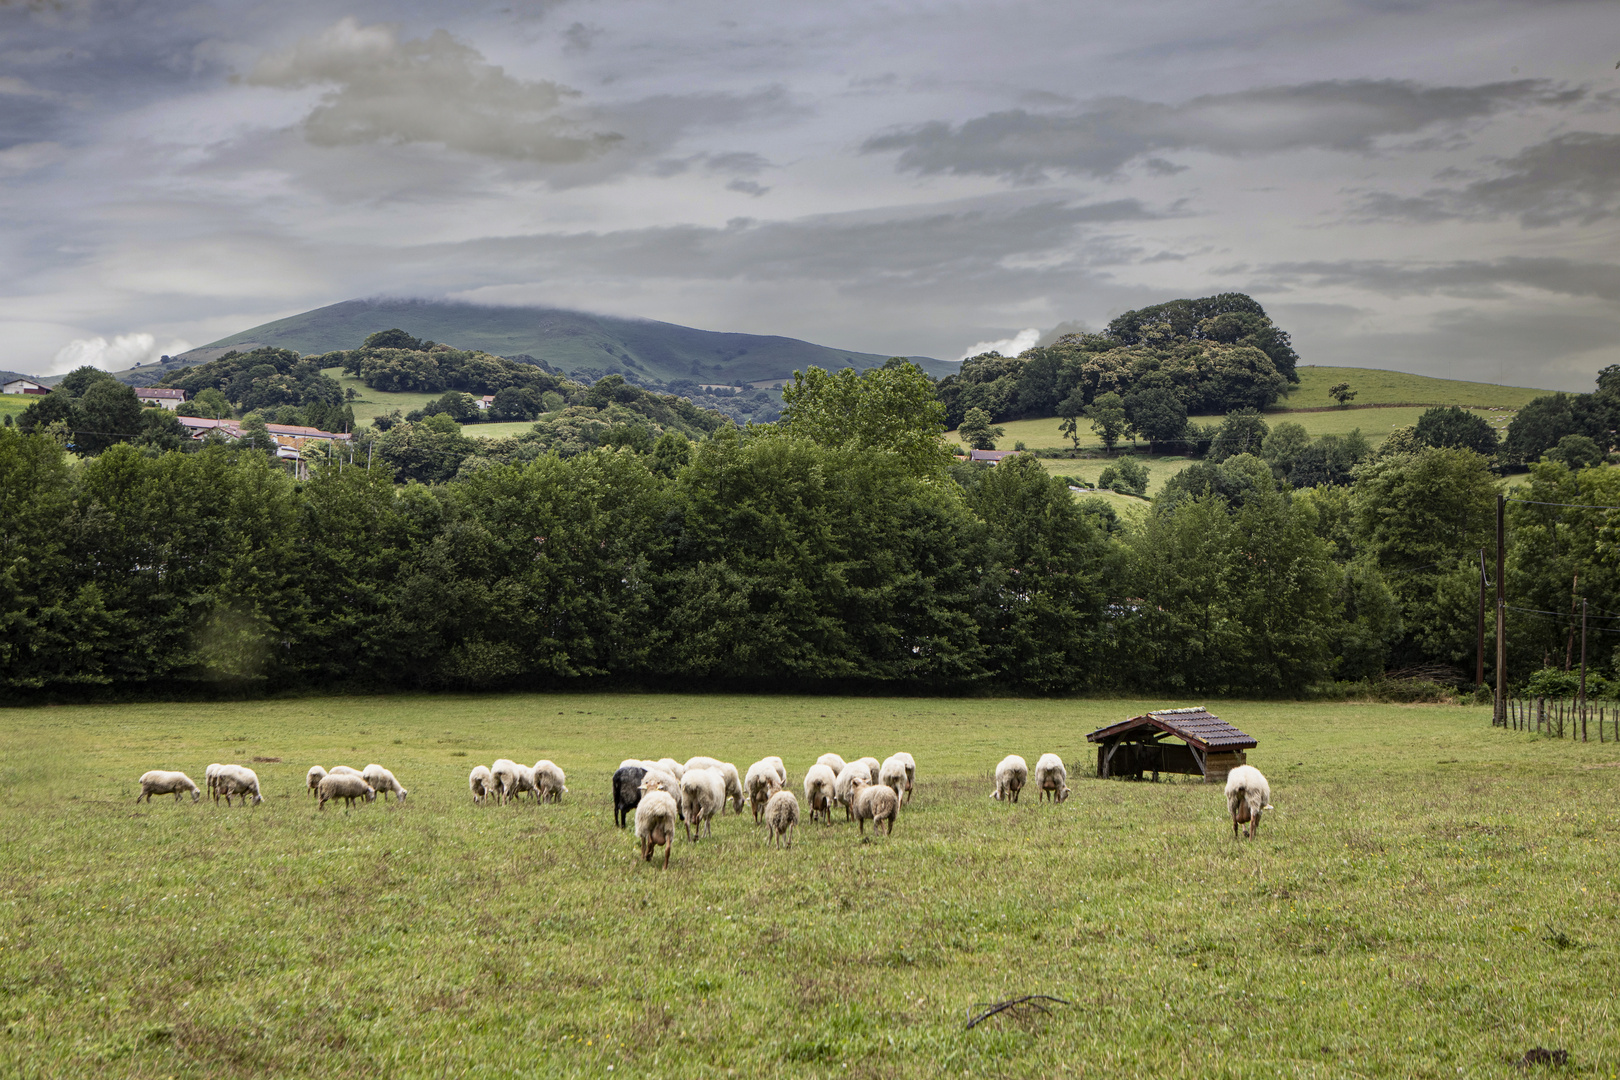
[(159, 392), (992, 456), (1196, 726)]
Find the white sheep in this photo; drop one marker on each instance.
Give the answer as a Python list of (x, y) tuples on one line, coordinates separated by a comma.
[(1011, 775), (549, 781), (312, 780), (210, 775), (728, 773), (382, 780), (832, 761), (656, 815), (873, 765), (1247, 795), (343, 770), (348, 786), (703, 793), (911, 774), (671, 766), (238, 780), (892, 774), (781, 769), (781, 818), (659, 780), (481, 783), (877, 803), (820, 784), (762, 782), (845, 786), (160, 782), (508, 778), (1052, 778)]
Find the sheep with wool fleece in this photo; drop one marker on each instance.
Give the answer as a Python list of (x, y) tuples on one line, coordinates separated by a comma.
[(779, 766), (845, 786), (509, 777), (626, 791), (671, 766), (833, 762), (820, 784), (911, 773), (238, 780), (1247, 796), (1052, 778), (481, 782), (312, 779), (656, 815), (382, 780), (892, 774), (877, 803), (762, 782), (165, 782), (703, 793), (211, 777), (728, 772), (873, 766), (781, 818), (347, 786), (549, 782), (1011, 776)]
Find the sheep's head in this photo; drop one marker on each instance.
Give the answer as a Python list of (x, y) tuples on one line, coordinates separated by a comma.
[(1063, 793), (195, 794), (257, 798), (402, 794), (370, 794)]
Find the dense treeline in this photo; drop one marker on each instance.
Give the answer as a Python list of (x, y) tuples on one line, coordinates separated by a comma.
[(840, 548)]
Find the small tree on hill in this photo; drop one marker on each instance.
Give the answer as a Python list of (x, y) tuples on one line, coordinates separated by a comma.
[(1341, 393), (1108, 419), (977, 431), (1071, 409)]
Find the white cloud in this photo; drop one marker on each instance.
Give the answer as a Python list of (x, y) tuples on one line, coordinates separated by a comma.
[(1024, 339), (122, 352)]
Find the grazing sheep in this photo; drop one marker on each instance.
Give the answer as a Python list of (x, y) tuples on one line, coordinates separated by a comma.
[(892, 774), (728, 773), (1247, 795), (238, 780), (481, 783), (507, 777), (832, 761), (762, 782), (159, 782), (819, 784), (911, 774), (549, 780), (703, 793), (844, 788), (781, 769), (876, 803), (210, 776), (781, 817), (872, 766), (382, 780), (1011, 775), (345, 786), (316, 774), (671, 766), (626, 791), (659, 780), (343, 770), (656, 815), (1052, 778)]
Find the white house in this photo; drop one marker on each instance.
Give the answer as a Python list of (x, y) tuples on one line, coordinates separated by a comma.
[(24, 386), (157, 395)]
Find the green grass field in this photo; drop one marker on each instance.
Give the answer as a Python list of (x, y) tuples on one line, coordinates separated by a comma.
[(1378, 387), (13, 405), (1430, 898), (374, 403)]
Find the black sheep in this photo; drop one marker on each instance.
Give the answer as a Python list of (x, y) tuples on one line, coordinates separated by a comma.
[(626, 792)]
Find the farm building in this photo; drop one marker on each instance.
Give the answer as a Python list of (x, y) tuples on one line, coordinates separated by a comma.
[(1209, 747)]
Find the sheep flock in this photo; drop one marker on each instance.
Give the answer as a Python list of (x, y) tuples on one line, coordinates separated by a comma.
[(662, 796)]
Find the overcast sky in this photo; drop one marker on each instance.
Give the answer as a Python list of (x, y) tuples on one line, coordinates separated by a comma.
[(1428, 185)]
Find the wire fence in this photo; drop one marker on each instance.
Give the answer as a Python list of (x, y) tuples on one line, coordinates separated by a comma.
[(1563, 718)]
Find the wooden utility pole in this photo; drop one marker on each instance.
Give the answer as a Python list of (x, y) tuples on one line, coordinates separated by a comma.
[(1479, 652), (1501, 608), (1583, 656)]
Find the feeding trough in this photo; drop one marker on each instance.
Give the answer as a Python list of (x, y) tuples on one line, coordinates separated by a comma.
[(1209, 746)]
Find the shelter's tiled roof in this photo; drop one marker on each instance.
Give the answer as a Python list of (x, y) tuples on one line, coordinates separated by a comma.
[(1197, 726)]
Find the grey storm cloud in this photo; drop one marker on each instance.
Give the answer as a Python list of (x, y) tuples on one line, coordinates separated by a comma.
[(1570, 177), (1347, 115), (1482, 279), (434, 90)]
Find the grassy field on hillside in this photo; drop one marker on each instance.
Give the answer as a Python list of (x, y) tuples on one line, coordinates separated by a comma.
[(374, 403), (1159, 469), (1430, 898), (13, 405), (1375, 424), (1376, 387)]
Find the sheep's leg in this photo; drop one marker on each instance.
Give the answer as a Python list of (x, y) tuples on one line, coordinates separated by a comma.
[(667, 846)]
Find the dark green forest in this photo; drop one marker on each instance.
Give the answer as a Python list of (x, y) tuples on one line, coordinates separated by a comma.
[(841, 548)]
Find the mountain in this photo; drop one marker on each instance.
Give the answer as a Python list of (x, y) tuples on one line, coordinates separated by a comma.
[(577, 342)]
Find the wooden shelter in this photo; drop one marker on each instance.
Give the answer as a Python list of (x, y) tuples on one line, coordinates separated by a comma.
[(1210, 747)]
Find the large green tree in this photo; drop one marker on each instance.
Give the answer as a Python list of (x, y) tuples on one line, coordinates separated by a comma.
[(891, 409)]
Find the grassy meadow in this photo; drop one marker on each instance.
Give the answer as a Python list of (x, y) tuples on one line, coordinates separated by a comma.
[(1430, 898)]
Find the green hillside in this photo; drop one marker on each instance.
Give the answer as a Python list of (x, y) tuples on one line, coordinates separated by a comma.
[(1377, 387), (573, 341)]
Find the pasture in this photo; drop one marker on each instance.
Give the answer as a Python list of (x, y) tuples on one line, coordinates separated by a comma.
[(1430, 898)]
